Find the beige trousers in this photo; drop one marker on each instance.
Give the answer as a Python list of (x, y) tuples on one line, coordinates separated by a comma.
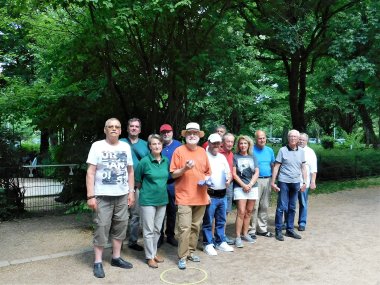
[(189, 221), (259, 219)]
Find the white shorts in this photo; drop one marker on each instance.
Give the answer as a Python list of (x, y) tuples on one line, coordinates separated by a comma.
[(239, 194)]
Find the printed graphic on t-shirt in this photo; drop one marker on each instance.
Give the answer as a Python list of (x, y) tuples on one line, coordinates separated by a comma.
[(115, 168), (245, 166)]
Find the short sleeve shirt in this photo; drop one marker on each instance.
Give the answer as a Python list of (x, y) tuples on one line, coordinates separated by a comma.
[(311, 164), (187, 190), (245, 168), (111, 177), (220, 170), (291, 164), (265, 158), (138, 149), (168, 150), (153, 176)]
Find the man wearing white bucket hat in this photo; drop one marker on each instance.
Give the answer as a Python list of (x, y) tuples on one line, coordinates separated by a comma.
[(191, 170)]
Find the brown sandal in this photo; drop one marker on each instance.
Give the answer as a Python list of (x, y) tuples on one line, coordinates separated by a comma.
[(152, 263), (158, 259)]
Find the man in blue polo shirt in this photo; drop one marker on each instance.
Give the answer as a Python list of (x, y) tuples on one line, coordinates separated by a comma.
[(170, 144), (265, 158), (290, 166)]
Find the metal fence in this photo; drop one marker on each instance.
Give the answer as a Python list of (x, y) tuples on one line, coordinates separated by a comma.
[(39, 187)]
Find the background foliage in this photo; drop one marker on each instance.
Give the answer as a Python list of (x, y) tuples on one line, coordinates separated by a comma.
[(69, 65)]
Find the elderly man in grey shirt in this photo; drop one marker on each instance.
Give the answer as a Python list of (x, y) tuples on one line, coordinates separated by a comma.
[(290, 167)]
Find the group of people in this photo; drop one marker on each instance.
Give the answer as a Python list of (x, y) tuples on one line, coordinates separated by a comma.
[(194, 187)]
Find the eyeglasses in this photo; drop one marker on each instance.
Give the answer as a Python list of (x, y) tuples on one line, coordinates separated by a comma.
[(112, 127)]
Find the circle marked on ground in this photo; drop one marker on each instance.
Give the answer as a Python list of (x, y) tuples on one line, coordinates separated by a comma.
[(163, 277)]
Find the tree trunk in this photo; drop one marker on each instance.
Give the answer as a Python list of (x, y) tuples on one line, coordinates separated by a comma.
[(301, 126), (296, 73), (370, 136), (44, 146), (347, 121)]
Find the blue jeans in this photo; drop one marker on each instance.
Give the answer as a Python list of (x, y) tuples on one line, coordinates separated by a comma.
[(286, 204), (303, 199), (217, 210)]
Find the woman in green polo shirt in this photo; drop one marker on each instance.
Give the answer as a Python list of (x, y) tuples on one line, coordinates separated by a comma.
[(151, 177)]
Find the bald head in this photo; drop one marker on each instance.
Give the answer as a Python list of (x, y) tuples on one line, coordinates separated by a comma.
[(260, 138)]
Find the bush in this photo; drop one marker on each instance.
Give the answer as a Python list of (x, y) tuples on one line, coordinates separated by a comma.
[(343, 164), (327, 142), (30, 147), (11, 195)]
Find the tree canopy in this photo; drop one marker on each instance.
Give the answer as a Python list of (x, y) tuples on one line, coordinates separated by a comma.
[(67, 66)]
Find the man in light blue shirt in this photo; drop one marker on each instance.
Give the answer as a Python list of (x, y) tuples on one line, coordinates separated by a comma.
[(265, 159)]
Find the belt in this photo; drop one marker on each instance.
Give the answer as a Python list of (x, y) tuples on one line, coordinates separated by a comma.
[(216, 193), (265, 177)]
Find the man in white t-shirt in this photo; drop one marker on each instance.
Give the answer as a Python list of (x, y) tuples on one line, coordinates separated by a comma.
[(221, 178), (110, 191), (311, 167)]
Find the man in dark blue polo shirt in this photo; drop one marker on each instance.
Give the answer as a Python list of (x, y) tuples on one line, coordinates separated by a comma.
[(170, 144)]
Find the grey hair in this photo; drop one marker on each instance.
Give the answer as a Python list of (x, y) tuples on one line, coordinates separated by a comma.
[(227, 135), (304, 135), (111, 119), (154, 136), (220, 127), (294, 131)]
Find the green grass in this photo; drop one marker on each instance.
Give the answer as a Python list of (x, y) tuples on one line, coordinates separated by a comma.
[(327, 187)]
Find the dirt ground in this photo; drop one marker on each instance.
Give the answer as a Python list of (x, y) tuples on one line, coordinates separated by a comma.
[(341, 245)]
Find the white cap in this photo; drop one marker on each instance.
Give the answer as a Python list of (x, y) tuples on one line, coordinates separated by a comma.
[(213, 138)]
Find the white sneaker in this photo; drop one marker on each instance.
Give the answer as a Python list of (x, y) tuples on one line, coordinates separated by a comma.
[(225, 247), (210, 250)]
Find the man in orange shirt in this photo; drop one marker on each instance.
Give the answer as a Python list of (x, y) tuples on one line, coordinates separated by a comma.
[(191, 170)]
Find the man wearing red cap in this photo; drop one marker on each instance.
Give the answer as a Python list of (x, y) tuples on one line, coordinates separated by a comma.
[(166, 132)]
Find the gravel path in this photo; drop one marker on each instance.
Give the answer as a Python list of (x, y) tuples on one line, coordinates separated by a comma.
[(340, 246)]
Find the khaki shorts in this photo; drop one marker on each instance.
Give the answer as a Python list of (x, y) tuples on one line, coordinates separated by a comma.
[(111, 218)]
